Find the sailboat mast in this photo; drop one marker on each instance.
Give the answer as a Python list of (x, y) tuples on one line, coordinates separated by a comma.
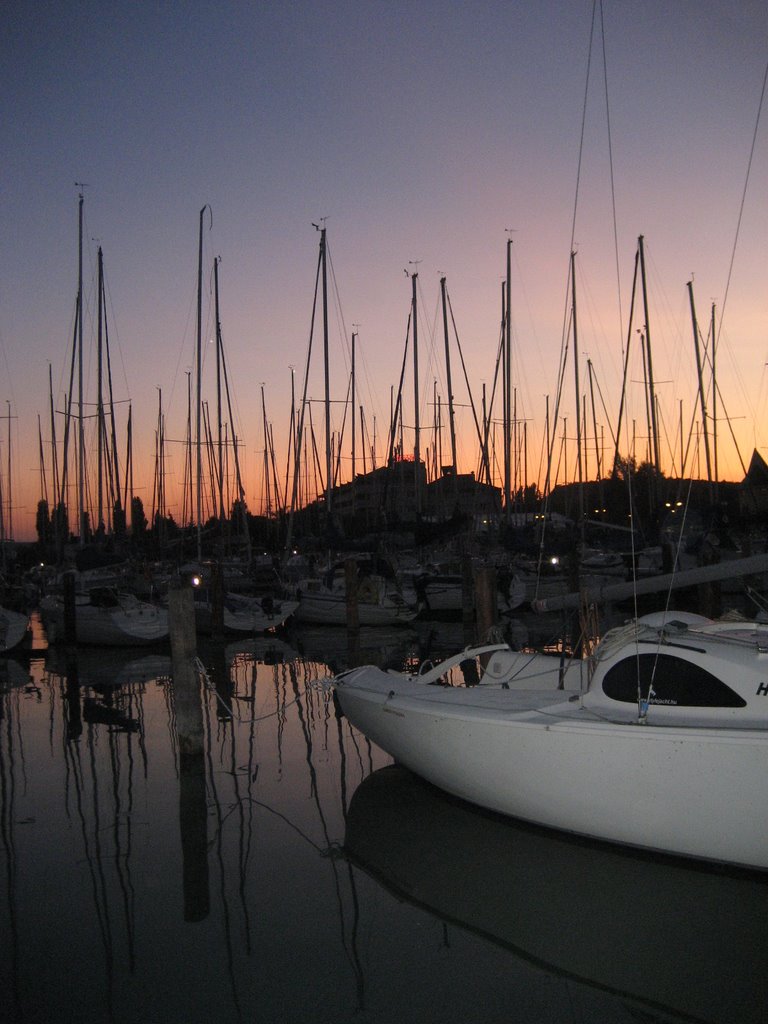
[(714, 402), (198, 409), (10, 500), (80, 431), (626, 367), (579, 465), (353, 405), (100, 395), (700, 376), (41, 456), (219, 357), (416, 424), (451, 421), (507, 385), (54, 458), (328, 476), (651, 389)]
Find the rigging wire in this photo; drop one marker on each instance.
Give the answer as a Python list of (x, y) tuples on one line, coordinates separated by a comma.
[(743, 200)]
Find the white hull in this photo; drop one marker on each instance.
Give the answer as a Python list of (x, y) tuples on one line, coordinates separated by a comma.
[(692, 790), (13, 629), (243, 616), (320, 605), (131, 623)]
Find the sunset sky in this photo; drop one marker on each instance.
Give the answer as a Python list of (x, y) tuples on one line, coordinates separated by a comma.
[(422, 133)]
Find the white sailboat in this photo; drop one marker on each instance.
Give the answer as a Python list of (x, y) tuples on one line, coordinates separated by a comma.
[(106, 617), (659, 740)]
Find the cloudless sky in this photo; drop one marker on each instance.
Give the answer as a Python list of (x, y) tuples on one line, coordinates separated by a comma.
[(422, 132)]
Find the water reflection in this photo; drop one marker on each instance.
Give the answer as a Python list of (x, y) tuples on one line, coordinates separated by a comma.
[(147, 877), (665, 935)]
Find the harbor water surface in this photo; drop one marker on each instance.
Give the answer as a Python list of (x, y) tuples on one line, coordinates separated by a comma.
[(292, 874)]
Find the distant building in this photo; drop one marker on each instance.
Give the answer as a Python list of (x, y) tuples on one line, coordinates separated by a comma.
[(390, 490), (394, 489), (460, 494)]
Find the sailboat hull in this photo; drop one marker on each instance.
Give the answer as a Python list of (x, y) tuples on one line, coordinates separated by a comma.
[(695, 792)]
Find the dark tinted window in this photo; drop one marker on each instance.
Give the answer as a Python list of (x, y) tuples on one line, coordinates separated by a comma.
[(675, 682)]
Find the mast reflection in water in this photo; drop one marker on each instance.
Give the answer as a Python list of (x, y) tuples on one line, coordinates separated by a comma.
[(145, 881)]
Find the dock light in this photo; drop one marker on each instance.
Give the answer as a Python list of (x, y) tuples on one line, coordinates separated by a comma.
[(196, 581), (554, 560)]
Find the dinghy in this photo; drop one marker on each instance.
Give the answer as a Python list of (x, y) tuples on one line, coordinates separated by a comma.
[(658, 740)]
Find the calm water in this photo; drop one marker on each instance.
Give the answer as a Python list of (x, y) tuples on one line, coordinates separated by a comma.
[(291, 874)]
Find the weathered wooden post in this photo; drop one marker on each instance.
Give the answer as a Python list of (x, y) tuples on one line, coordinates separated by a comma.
[(186, 678), (486, 602), (189, 729)]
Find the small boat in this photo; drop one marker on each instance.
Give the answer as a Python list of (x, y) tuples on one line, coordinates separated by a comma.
[(658, 740), (105, 616), (324, 603), (14, 629), (243, 614)]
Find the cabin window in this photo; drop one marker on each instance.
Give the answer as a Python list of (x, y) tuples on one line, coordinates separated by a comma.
[(675, 683)]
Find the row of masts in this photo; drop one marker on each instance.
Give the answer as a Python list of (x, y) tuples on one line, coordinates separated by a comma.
[(221, 443)]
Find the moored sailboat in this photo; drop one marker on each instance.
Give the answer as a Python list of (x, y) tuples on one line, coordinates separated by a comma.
[(659, 740)]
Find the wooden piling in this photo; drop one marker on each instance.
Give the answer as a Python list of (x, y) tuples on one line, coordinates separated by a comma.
[(486, 602), (186, 678), (193, 808)]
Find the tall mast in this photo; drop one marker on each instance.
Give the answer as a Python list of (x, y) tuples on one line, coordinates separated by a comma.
[(115, 461), (507, 385), (80, 431), (353, 405), (651, 389), (100, 396), (598, 460), (10, 500), (700, 375), (579, 466), (714, 403), (626, 367), (128, 500), (328, 477), (198, 409), (416, 426), (220, 475), (54, 457), (451, 421), (41, 455)]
